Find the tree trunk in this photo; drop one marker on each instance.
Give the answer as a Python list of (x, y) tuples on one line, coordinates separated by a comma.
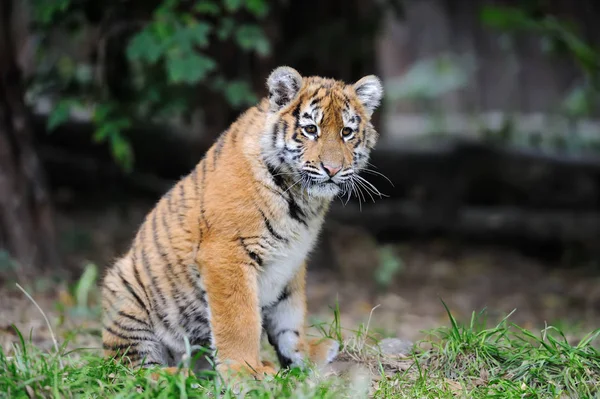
[(26, 222)]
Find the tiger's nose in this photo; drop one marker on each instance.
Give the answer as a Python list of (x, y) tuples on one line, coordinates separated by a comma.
[(331, 170)]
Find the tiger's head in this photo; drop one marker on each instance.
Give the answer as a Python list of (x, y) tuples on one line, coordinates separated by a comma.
[(319, 132)]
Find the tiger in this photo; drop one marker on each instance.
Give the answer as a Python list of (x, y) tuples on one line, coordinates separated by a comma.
[(221, 259)]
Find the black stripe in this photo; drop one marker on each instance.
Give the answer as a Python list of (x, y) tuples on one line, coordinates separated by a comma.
[(120, 347), (217, 149), (132, 292), (169, 272), (257, 242), (169, 196), (285, 330), (296, 212), (128, 337), (197, 196), (270, 228), (296, 114), (175, 294), (181, 215), (118, 324), (293, 150), (275, 191), (294, 209), (285, 294), (133, 318), (153, 279), (203, 182), (195, 180), (136, 272), (253, 255), (275, 133), (113, 292), (145, 262), (201, 328), (276, 177), (152, 363), (190, 279)]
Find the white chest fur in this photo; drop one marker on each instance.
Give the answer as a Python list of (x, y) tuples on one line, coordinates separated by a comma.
[(283, 264)]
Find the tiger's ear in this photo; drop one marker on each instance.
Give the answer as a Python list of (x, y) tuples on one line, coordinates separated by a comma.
[(369, 92), (284, 84)]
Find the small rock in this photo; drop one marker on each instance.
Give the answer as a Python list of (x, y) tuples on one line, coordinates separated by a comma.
[(395, 347)]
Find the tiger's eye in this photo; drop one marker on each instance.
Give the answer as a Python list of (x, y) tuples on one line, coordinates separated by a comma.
[(347, 132), (310, 129)]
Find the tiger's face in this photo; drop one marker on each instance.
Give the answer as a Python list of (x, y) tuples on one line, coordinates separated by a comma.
[(321, 132)]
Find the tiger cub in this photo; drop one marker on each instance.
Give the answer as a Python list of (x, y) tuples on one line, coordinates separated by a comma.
[(222, 256)]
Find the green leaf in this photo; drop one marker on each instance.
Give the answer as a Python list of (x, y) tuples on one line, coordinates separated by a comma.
[(239, 93), (199, 33), (122, 151), (252, 37), (189, 68), (207, 7), (102, 133), (145, 47), (102, 111), (66, 68), (225, 28), (233, 5), (46, 11), (390, 265), (577, 103), (60, 114), (86, 285), (505, 17), (259, 8)]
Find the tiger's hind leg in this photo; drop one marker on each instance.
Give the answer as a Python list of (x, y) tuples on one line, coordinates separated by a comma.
[(127, 330)]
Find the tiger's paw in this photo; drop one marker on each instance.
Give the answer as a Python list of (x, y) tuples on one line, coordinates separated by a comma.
[(238, 370), (323, 351)]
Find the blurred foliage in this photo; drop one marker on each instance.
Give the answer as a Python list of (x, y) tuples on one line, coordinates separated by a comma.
[(431, 78), (85, 288), (558, 37), (166, 56), (6, 262), (390, 265)]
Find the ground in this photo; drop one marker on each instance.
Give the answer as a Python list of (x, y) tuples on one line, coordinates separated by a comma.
[(382, 291)]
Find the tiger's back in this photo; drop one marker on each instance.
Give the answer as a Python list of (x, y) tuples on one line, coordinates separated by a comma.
[(222, 255)]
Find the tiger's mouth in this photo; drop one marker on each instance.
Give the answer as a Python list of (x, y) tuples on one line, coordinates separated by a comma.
[(320, 186), (311, 180)]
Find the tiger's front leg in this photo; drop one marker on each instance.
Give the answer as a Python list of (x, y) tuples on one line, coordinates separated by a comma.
[(285, 326), (231, 288)]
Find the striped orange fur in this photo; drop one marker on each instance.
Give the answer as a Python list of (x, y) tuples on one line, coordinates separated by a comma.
[(221, 257)]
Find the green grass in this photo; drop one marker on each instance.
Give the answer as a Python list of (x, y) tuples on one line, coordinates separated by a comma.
[(468, 360)]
